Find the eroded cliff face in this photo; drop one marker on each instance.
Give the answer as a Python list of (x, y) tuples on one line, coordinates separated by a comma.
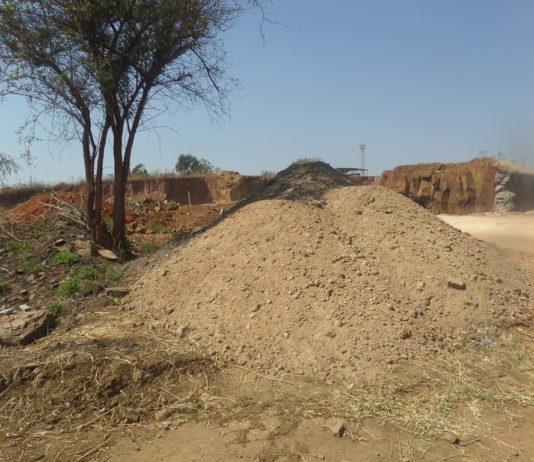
[(480, 185), (446, 188), (224, 187)]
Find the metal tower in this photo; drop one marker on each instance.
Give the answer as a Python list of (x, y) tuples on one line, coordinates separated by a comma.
[(362, 150)]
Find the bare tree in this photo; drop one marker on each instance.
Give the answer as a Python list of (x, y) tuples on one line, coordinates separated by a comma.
[(101, 66), (7, 167)]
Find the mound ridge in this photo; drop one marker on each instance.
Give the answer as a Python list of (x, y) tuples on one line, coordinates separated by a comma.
[(339, 289)]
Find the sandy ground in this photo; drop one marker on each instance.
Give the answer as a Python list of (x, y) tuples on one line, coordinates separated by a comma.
[(513, 232)]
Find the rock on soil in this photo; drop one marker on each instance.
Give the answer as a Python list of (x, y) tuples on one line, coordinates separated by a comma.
[(339, 289), (19, 327)]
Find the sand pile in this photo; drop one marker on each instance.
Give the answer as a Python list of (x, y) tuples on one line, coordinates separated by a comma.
[(339, 288)]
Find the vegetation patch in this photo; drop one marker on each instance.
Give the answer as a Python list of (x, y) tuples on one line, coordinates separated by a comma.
[(15, 246), (4, 287), (56, 309), (69, 288), (149, 247), (64, 257), (463, 380)]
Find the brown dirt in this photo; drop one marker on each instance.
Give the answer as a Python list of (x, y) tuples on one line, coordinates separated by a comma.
[(293, 287), (46, 204)]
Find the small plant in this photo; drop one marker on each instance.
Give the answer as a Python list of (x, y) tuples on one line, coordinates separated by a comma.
[(16, 246), (108, 225), (56, 309), (158, 229), (32, 267), (26, 256), (306, 160), (113, 276), (69, 288), (64, 257), (4, 287), (87, 273), (59, 226), (149, 247)]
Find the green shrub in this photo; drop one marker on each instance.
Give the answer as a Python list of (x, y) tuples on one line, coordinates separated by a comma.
[(4, 287), (88, 287), (158, 229), (69, 288), (56, 309), (113, 276), (149, 247), (64, 257), (89, 273), (15, 246), (108, 225), (306, 160), (26, 256), (59, 226), (32, 267)]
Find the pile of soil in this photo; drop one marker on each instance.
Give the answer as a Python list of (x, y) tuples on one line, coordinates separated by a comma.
[(45, 204), (339, 286), (183, 219)]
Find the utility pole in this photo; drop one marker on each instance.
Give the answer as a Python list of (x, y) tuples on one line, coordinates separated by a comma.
[(362, 150)]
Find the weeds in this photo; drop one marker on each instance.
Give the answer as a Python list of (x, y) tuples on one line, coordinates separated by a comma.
[(89, 280), (89, 273), (26, 256), (56, 309), (32, 267), (16, 246), (4, 287), (158, 229), (69, 288), (149, 247), (64, 257), (460, 380)]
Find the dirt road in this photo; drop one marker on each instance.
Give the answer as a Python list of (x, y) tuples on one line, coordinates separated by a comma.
[(513, 232)]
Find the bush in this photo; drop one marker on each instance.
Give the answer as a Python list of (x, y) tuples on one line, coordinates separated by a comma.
[(306, 160), (64, 257), (149, 247), (32, 267), (88, 273), (88, 287), (69, 288), (113, 276), (56, 309), (158, 229), (4, 287), (15, 246), (26, 256)]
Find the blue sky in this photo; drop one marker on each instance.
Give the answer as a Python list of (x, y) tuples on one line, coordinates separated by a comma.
[(415, 80)]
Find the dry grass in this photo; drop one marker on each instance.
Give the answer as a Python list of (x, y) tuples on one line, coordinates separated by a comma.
[(496, 377), (510, 167), (92, 380)]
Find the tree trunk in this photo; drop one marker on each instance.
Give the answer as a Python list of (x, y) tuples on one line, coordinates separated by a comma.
[(102, 235), (120, 244), (90, 184)]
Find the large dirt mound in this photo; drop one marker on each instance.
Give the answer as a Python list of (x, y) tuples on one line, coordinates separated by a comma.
[(308, 181), (339, 288)]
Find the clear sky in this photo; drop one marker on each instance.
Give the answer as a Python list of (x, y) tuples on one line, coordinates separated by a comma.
[(415, 80)]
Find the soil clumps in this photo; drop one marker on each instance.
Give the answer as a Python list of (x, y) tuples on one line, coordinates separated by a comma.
[(320, 278)]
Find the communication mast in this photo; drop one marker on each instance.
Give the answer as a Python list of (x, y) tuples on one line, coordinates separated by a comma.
[(362, 150)]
